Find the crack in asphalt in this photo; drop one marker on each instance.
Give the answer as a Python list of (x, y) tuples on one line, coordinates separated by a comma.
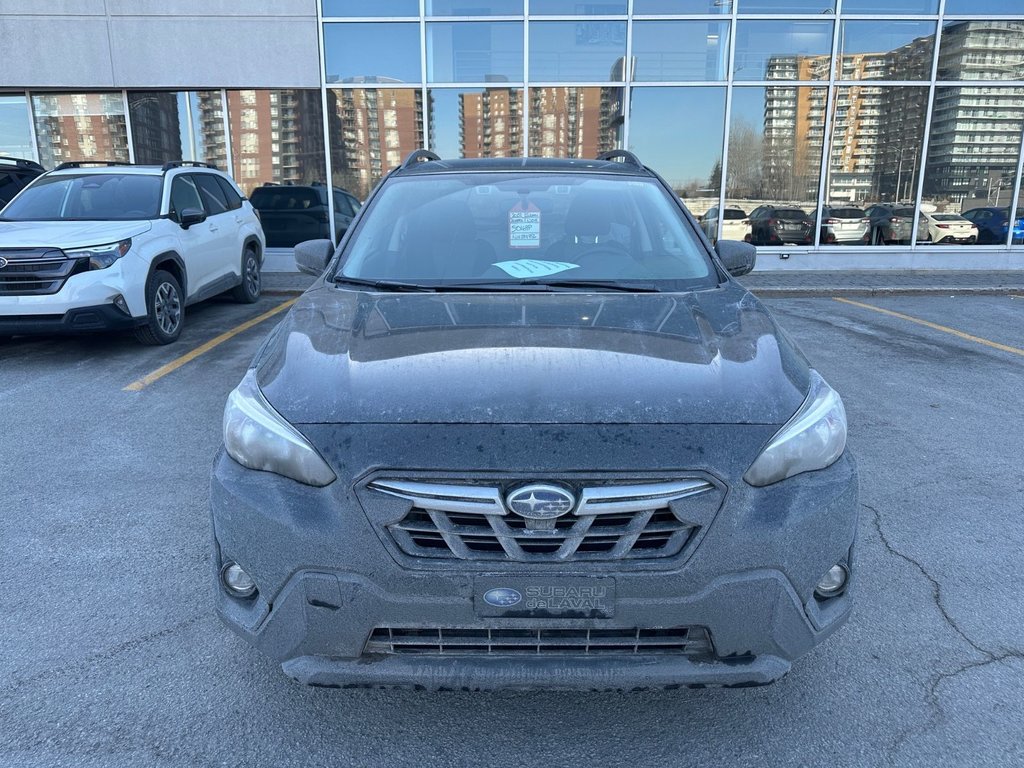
[(938, 678)]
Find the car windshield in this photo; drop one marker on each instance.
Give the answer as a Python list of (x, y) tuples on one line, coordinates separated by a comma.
[(285, 198), (732, 214), (509, 228), (88, 197), (947, 217), (903, 212), (846, 213), (790, 214)]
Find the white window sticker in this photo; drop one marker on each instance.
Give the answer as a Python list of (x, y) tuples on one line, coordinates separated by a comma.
[(524, 226), (527, 268)]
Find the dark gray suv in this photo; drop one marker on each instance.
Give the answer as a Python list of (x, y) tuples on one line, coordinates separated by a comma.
[(526, 430)]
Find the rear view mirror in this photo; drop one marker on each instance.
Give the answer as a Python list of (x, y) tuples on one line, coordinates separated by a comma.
[(313, 256), (738, 258)]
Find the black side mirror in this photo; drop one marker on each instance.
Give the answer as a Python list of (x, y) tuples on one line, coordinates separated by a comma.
[(189, 217), (738, 258), (313, 256)]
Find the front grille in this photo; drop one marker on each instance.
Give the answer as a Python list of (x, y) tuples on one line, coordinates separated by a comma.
[(36, 272), (448, 641), (471, 522)]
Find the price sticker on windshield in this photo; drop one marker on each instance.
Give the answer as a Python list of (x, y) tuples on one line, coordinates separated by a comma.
[(524, 226)]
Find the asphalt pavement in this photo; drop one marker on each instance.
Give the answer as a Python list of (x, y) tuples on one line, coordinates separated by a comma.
[(110, 654)]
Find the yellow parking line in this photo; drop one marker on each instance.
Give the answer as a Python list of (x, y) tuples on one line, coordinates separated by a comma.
[(159, 373), (935, 326)]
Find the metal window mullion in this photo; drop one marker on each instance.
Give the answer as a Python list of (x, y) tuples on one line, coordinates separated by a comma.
[(328, 169), (922, 168), (128, 127), (229, 158), (191, 127), (525, 130), (1011, 213), (427, 115), (730, 66), (33, 137), (627, 76), (826, 137)]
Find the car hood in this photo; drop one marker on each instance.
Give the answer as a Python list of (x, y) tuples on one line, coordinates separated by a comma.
[(67, 234), (709, 357)]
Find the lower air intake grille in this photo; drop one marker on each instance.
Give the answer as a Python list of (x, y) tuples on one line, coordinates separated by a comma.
[(447, 641)]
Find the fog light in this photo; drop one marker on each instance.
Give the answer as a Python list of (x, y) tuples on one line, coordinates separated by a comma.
[(833, 582), (236, 581), (121, 304)]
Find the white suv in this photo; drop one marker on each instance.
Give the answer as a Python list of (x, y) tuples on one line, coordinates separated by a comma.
[(124, 246)]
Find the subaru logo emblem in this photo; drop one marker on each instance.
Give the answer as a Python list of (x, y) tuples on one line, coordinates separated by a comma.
[(540, 502), (502, 597), (3, 262)]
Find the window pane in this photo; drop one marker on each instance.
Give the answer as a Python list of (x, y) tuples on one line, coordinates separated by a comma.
[(563, 51), (474, 7), (661, 121), (210, 191), (973, 150), (15, 133), (476, 122), (680, 50), (787, 6), (372, 52), (80, 126), (276, 137), (983, 7), (681, 6), (783, 50), (775, 144), (372, 130), (378, 8), (982, 50), (886, 50), (875, 158), (177, 126), (575, 122), (474, 52), (890, 6), (577, 8)]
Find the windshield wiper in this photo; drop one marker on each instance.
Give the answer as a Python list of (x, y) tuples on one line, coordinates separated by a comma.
[(383, 285), (608, 285)]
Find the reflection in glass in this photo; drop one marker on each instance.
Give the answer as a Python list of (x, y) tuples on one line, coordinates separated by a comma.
[(982, 50), (978, 8), (474, 52), (680, 6), (577, 8), (372, 130), (886, 50), (775, 145), (80, 126), (474, 7), (276, 137), (476, 122), (379, 8), (372, 52), (567, 121), (661, 121), (680, 50), (787, 6), (15, 132), (890, 6), (187, 125), (783, 50), (875, 155), (973, 150), (562, 51)]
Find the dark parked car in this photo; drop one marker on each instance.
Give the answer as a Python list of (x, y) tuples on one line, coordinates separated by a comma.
[(15, 175), (293, 213), (993, 225), (777, 225), (526, 430), (893, 223)]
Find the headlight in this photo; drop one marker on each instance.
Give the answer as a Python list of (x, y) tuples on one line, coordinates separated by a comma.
[(102, 256), (813, 439), (258, 437)]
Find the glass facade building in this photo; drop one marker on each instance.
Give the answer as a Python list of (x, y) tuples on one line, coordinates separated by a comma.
[(807, 126)]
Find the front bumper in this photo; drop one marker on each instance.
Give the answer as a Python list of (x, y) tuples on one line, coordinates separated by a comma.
[(105, 317), (327, 580)]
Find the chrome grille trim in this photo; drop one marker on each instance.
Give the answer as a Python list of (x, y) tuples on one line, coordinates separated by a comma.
[(34, 272), (610, 522), (491, 641)]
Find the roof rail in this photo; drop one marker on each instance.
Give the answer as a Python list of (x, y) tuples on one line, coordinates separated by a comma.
[(22, 163), (614, 154), (420, 155), (187, 164), (81, 163)]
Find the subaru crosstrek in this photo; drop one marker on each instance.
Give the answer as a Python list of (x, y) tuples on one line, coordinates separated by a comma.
[(95, 246), (526, 430)]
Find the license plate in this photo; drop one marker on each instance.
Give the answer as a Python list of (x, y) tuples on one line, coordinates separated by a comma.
[(540, 597)]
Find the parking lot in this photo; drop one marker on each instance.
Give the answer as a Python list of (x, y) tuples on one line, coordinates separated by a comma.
[(111, 655)]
